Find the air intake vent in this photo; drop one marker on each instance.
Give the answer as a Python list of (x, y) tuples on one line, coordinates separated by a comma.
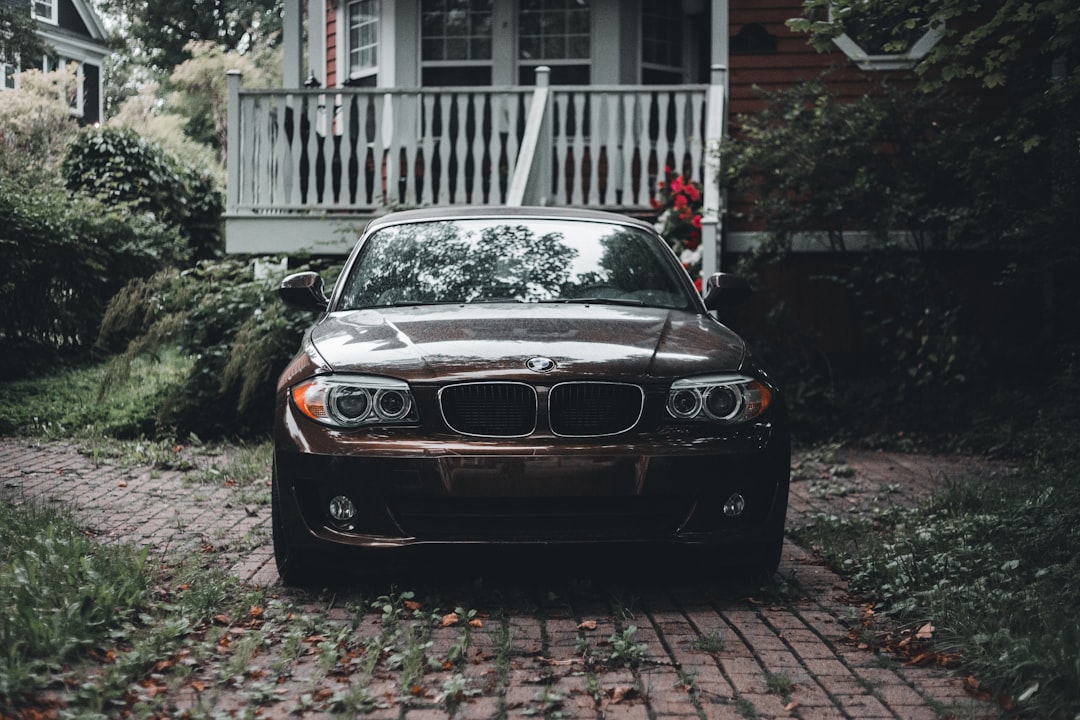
[(490, 409), (591, 409)]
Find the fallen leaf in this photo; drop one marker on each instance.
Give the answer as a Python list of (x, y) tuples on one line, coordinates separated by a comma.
[(922, 659), (587, 625), (121, 484), (222, 619), (925, 632), (476, 623), (622, 692), (412, 605), (791, 706), (450, 619), (417, 691), (255, 611), (198, 686)]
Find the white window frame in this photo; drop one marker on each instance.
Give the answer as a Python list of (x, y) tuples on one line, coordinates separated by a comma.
[(890, 61), (54, 11), (353, 72)]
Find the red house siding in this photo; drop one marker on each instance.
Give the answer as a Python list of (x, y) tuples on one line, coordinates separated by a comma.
[(331, 49), (795, 59)]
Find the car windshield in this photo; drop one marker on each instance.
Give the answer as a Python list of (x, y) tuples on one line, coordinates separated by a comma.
[(519, 260)]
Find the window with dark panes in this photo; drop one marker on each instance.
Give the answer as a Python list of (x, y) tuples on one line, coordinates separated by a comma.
[(661, 43), (456, 41), (556, 33)]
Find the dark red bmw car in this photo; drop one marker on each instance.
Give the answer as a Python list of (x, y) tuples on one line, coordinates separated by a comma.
[(523, 376)]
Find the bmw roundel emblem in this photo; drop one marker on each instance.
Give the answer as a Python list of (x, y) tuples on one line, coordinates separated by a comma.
[(540, 364)]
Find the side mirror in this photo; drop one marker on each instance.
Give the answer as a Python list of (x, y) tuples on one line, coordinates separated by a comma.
[(724, 290), (304, 290)]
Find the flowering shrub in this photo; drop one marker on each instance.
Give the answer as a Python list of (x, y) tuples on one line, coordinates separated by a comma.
[(679, 202)]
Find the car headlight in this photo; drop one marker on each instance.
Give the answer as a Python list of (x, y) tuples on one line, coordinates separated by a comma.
[(718, 398), (355, 401)]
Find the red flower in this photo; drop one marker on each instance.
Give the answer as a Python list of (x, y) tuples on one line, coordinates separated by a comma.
[(677, 185), (698, 284), (697, 222), (655, 203), (691, 243), (693, 192), (681, 202)]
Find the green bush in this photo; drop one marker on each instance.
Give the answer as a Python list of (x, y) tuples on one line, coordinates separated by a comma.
[(122, 169), (231, 325), (64, 257)]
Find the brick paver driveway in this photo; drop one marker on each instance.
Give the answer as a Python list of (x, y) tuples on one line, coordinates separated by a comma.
[(552, 644)]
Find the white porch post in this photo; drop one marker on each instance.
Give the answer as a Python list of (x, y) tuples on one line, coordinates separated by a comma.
[(292, 28), (232, 143), (715, 127)]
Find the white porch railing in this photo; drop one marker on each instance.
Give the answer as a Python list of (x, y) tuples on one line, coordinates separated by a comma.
[(358, 152)]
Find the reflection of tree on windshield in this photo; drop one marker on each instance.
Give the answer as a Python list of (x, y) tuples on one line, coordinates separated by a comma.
[(631, 264), (447, 262)]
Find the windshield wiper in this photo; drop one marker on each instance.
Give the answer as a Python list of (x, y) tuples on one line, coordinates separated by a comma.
[(594, 301), (406, 303)]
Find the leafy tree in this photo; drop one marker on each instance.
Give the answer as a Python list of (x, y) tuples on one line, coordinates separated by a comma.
[(1023, 168), (36, 125), (159, 31), (200, 90), (18, 34), (64, 257), (975, 148), (123, 169)]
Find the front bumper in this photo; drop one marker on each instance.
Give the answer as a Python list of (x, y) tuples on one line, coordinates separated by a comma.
[(414, 490)]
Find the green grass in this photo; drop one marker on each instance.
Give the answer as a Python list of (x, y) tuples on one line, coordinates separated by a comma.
[(64, 403), (60, 593), (995, 566), (84, 620)]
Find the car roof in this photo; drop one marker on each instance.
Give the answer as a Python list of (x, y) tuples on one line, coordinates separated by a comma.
[(469, 212)]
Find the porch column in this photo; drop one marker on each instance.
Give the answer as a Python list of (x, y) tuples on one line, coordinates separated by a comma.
[(715, 127), (292, 30), (232, 143)]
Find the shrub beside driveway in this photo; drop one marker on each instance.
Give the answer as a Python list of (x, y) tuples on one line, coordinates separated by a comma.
[(590, 641)]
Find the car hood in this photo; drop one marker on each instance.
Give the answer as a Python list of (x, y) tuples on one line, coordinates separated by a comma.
[(442, 343)]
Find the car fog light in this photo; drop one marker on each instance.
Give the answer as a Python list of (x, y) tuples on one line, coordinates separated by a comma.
[(734, 505), (342, 509)]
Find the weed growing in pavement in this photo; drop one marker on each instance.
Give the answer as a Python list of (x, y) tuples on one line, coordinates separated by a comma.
[(624, 651), (456, 689), (711, 642), (746, 708), (779, 683), (244, 465), (547, 702)]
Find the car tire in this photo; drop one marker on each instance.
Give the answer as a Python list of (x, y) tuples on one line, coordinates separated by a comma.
[(292, 565)]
